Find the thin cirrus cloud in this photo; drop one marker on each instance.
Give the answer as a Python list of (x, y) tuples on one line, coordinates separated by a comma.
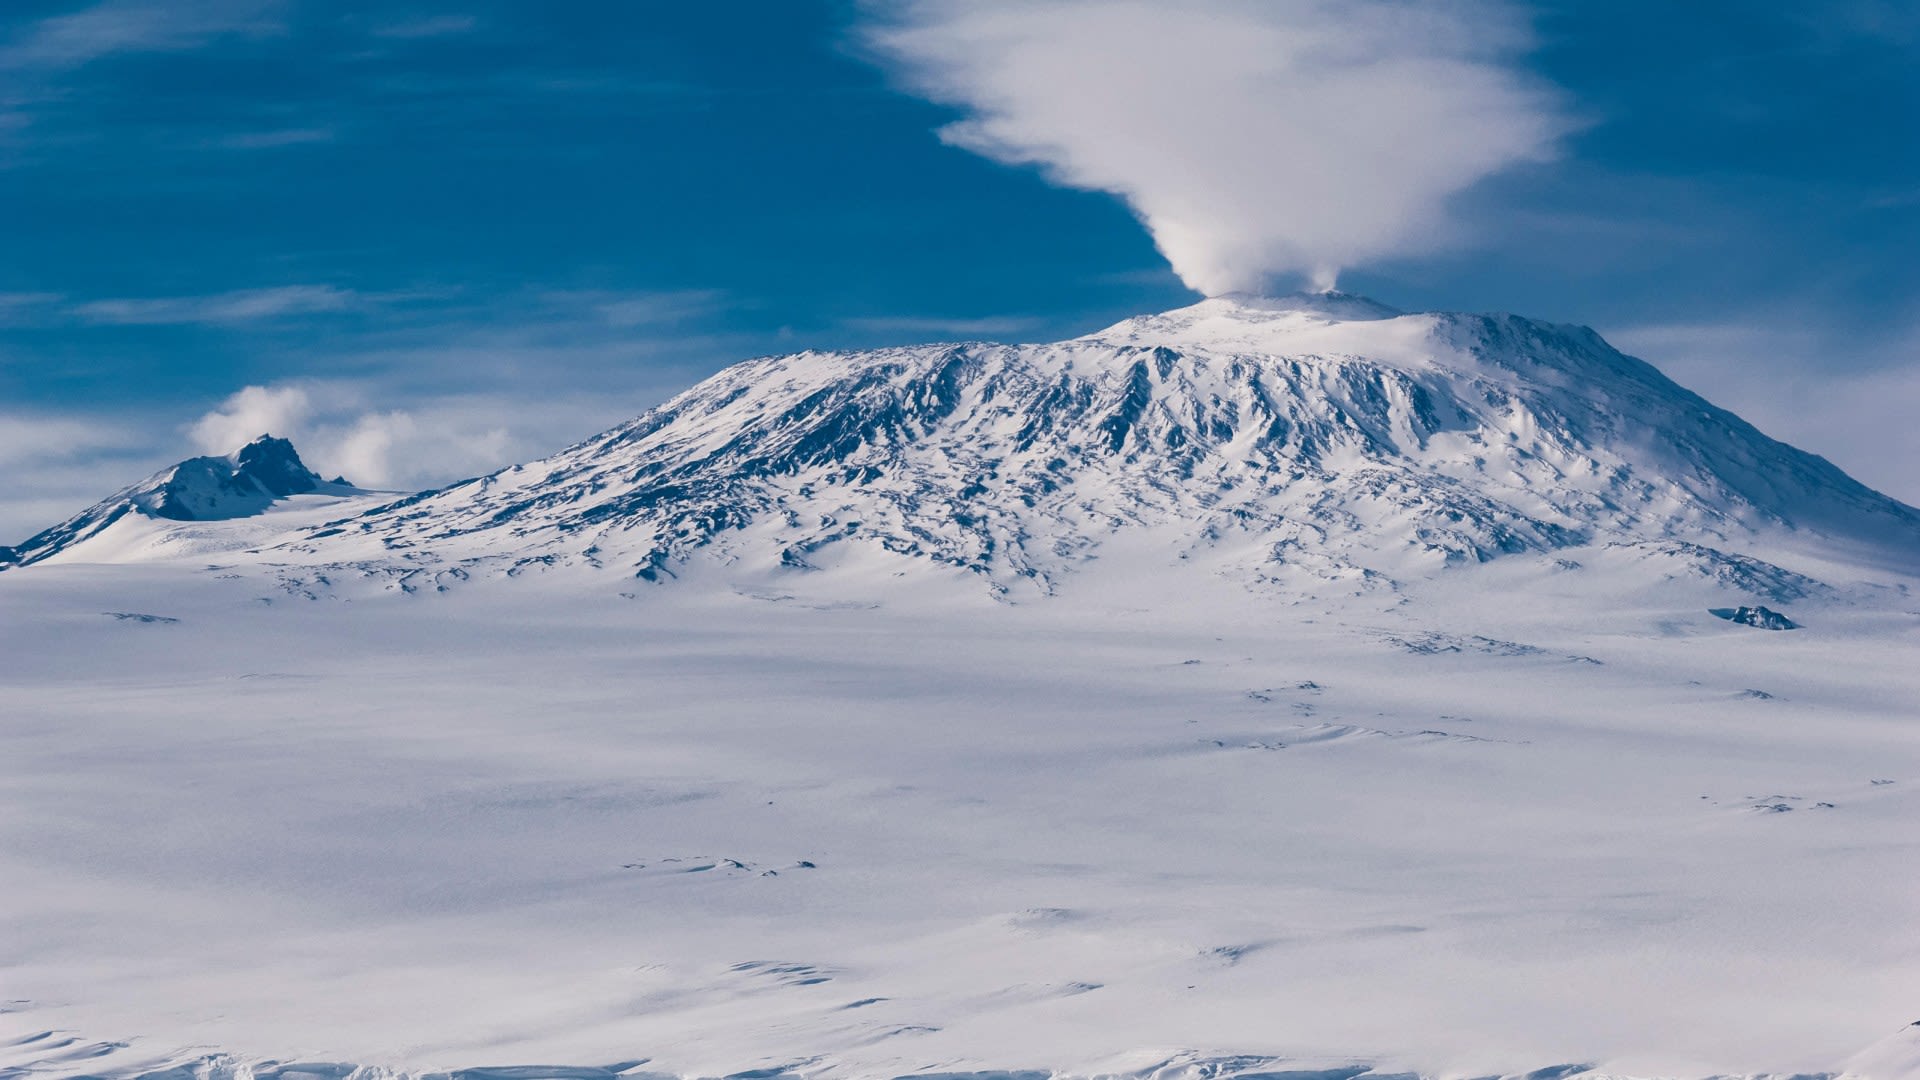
[(133, 26), (275, 138), (642, 308), (238, 306), (24, 307), (613, 308), (991, 326), (427, 26), (1256, 139)]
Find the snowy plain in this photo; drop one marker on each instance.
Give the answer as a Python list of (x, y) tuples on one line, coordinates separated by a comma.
[(508, 825)]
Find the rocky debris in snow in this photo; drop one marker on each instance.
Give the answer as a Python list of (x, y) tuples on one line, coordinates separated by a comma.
[(1760, 617), (138, 617)]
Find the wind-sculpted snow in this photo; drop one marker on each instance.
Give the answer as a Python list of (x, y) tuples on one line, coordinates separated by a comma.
[(1317, 439)]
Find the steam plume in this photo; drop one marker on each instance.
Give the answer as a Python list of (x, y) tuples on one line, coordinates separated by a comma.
[(1255, 138)]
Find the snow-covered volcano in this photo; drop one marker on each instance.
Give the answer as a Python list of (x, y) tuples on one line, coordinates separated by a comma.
[(1308, 440), (1404, 706)]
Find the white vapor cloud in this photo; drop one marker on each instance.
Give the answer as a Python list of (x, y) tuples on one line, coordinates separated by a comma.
[(252, 412), (414, 448), (1842, 395), (1256, 139), (338, 431)]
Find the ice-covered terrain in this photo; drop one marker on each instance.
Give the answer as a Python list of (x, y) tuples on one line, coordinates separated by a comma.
[(1271, 687)]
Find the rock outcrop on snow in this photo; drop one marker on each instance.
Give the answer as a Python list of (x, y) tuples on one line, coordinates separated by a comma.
[(1762, 617)]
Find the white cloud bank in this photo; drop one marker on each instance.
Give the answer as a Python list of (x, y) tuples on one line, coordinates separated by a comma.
[(250, 413), (1256, 139), (336, 431), (1781, 374)]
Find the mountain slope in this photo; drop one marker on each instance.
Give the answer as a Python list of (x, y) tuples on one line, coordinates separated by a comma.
[(242, 484), (1309, 439)]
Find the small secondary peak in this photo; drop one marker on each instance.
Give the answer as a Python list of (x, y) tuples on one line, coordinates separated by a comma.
[(217, 487), (274, 464)]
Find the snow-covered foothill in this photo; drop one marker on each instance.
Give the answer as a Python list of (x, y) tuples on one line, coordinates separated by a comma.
[(157, 517)]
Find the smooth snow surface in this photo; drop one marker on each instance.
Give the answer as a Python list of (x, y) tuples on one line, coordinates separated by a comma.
[(909, 713)]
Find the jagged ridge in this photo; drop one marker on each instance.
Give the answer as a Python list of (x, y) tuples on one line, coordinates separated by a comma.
[(235, 485)]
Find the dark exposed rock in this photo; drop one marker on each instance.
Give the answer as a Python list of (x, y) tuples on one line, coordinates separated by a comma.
[(1761, 617)]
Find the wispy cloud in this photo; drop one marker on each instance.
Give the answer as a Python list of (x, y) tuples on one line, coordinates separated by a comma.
[(427, 26), (1254, 139), (56, 464), (935, 326), (1833, 22), (133, 26), (26, 307), (268, 140), (634, 309), (41, 58), (244, 305), (1845, 395)]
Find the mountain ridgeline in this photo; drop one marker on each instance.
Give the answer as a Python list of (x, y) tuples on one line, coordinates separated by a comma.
[(1311, 439), (1302, 441)]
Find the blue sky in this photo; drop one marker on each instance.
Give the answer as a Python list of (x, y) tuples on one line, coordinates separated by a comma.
[(436, 239)]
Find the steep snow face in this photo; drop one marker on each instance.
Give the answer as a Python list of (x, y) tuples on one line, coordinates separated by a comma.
[(241, 484), (1315, 438)]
